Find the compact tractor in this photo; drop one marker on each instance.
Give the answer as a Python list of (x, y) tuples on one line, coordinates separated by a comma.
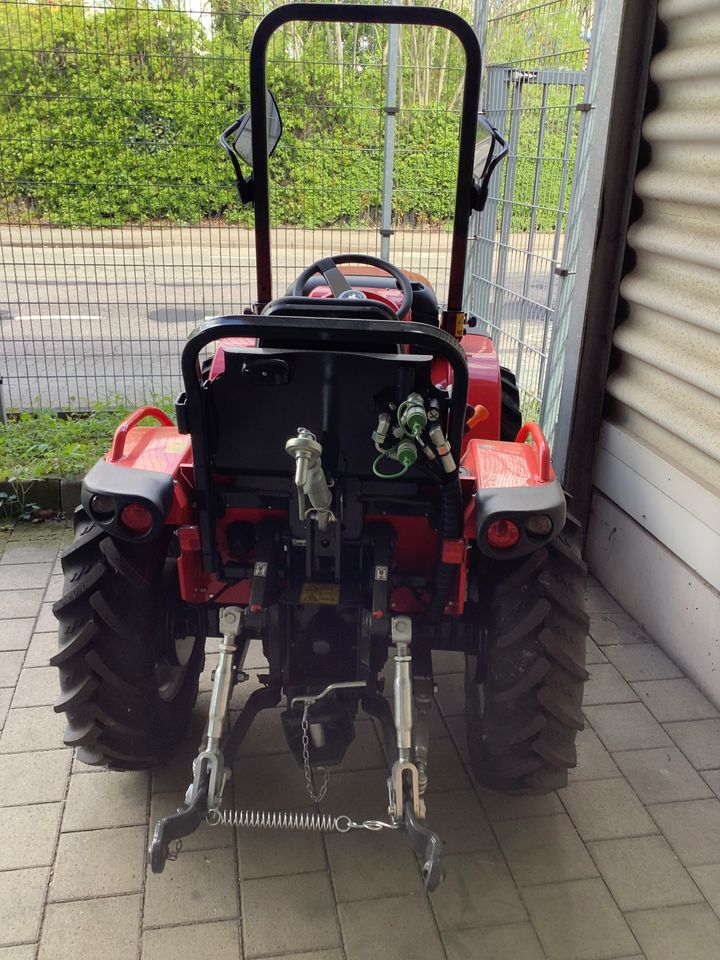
[(349, 482)]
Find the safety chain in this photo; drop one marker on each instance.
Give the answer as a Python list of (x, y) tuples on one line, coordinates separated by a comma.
[(309, 778)]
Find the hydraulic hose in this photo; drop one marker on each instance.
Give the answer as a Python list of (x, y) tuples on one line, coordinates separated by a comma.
[(450, 527)]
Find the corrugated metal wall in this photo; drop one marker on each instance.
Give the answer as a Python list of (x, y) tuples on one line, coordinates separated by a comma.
[(665, 389)]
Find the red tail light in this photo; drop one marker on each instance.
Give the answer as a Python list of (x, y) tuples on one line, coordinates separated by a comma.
[(502, 534), (136, 518)]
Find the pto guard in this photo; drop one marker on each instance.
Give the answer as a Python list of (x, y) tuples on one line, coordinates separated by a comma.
[(513, 481)]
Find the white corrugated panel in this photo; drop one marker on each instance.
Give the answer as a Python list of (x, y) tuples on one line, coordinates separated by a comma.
[(666, 387)]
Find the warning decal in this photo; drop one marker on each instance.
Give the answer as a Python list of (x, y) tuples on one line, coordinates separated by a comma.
[(325, 593)]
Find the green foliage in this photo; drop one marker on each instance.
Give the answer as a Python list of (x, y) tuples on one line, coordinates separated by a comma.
[(111, 114), (44, 444)]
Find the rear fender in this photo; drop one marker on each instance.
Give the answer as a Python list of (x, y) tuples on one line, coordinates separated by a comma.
[(149, 466), (512, 481)]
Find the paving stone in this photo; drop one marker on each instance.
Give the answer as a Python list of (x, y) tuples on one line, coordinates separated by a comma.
[(255, 658), (28, 835), (504, 806), (302, 916), (42, 647), (392, 928), (365, 752), (220, 941), (25, 951), (627, 726), (447, 661), (270, 783), (264, 736), (46, 621), (54, 588), (37, 686), (365, 866), (678, 933), (642, 662), (199, 886), (699, 740), (33, 777), (99, 863), (107, 800), (47, 530), (33, 728), (677, 699), (478, 891), (5, 698), (593, 760), (609, 629), (514, 941), (579, 921), (457, 730), (663, 775), (460, 821), (361, 794), (708, 879), (593, 653), (445, 767), (544, 850), (107, 928), (29, 551), (15, 634), (26, 887), (19, 603), (712, 778), (11, 662), (598, 600), (451, 694), (315, 955), (24, 576), (606, 686), (692, 828), (643, 872), (602, 809), (274, 853)]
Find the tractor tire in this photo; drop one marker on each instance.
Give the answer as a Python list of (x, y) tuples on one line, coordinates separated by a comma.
[(129, 654), (510, 413), (523, 692)]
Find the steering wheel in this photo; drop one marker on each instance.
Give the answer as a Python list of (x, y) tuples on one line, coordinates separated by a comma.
[(338, 283)]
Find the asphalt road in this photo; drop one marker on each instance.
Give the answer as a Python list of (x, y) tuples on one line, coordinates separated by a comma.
[(86, 315)]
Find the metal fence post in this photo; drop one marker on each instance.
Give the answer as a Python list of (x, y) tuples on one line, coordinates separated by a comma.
[(391, 109)]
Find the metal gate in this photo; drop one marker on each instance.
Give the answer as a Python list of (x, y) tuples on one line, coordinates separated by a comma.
[(535, 96)]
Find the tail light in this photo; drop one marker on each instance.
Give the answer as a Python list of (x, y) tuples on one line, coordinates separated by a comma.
[(502, 534), (136, 518)]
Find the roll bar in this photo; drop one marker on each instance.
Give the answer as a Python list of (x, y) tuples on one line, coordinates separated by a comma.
[(367, 13)]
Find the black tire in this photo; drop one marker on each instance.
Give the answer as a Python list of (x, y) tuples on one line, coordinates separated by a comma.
[(510, 413), (524, 692), (127, 688)]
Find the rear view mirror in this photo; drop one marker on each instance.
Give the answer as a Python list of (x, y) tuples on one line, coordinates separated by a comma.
[(490, 149), (237, 143)]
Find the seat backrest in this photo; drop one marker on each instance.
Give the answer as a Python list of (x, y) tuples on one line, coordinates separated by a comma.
[(265, 394)]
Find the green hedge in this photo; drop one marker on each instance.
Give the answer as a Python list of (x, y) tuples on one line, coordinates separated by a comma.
[(113, 115)]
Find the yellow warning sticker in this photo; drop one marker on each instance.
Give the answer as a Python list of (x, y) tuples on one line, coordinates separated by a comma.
[(325, 593)]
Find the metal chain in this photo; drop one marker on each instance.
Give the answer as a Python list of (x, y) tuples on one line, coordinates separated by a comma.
[(309, 779)]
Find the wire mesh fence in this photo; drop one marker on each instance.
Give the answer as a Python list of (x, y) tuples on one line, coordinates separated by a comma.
[(121, 228), (536, 57)]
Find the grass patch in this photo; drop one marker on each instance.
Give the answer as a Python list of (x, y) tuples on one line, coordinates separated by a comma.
[(45, 444)]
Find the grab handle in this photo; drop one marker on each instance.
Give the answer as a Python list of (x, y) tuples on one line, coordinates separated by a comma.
[(118, 444), (541, 445)]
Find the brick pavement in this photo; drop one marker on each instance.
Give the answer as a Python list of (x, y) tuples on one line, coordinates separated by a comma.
[(624, 863)]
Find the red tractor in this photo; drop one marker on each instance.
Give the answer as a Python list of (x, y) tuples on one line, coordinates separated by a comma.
[(348, 481)]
